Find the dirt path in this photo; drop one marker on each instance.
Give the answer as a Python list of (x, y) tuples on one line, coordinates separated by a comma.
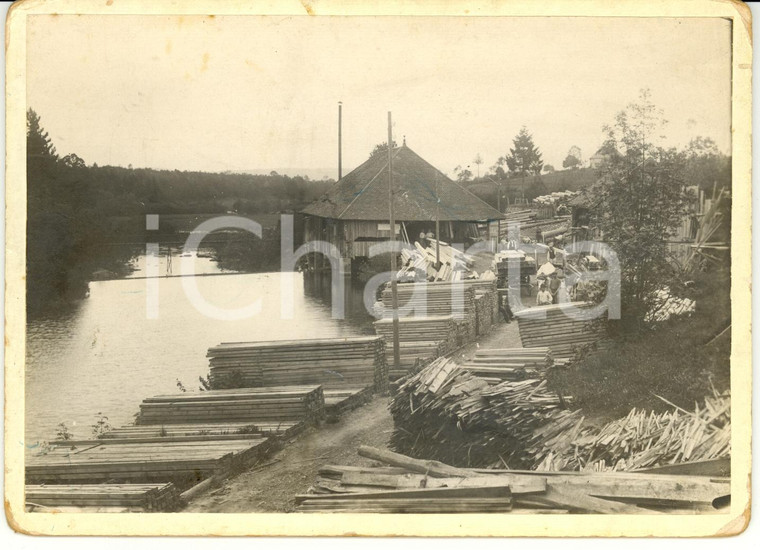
[(502, 335), (272, 488)]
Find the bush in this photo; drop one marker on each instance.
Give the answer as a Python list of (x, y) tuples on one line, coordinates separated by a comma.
[(679, 359)]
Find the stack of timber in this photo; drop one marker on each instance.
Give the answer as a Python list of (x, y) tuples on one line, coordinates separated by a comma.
[(432, 299), (513, 259), (405, 484), (498, 365), (425, 310), (252, 405), (334, 363), (420, 263), (146, 497), (644, 440), (552, 326), (208, 430), (420, 339), (486, 303), (338, 402), (183, 462), (447, 413)]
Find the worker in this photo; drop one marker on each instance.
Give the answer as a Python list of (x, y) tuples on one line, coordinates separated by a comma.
[(504, 308), (555, 255), (544, 297), (423, 240), (554, 284)]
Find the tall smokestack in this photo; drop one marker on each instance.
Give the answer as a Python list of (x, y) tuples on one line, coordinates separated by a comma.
[(340, 139)]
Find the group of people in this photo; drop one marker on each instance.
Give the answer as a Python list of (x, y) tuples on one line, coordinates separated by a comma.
[(425, 238), (550, 290), (552, 286)]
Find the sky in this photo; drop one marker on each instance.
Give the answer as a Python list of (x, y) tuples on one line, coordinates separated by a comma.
[(260, 93)]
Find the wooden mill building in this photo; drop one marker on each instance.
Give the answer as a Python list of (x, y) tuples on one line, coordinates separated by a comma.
[(353, 214)]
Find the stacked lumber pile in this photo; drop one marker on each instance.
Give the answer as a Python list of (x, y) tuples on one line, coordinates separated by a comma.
[(334, 363), (147, 497), (498, 365), (433, 299), (222, 430), (428, 308), (404, 484), (286, 403), (420, 264), (501, 263), (550, 326), (645, 440), (486, 304), (179, 461), (339, 401), (449, 414), (420, 339)]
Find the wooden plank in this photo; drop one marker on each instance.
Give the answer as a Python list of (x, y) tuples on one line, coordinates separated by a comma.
[(517, 484)]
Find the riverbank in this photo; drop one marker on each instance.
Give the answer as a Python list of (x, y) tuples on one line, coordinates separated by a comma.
[(272, 486)]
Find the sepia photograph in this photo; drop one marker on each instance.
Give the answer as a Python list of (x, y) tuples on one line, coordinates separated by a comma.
[(296, 263)]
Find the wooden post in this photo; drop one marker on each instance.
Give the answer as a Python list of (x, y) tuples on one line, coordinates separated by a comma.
[(437, 226), (394, 268), (498, 207), (340, 140)]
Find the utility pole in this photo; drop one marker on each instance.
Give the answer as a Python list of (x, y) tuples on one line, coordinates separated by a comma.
[(437, 226), (340, 140), (394, 268)]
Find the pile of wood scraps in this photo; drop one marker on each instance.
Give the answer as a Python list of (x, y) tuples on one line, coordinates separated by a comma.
[(447, 413), (137, 497), (402, 484), (645, 439), (667, 305), (420, 264)]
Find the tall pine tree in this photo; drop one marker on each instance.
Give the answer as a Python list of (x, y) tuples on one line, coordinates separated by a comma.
[(524, 157)]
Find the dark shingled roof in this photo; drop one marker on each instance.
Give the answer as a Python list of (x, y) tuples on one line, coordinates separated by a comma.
[(363, 193)]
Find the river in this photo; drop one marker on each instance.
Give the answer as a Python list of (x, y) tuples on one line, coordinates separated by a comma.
[(103, 355)]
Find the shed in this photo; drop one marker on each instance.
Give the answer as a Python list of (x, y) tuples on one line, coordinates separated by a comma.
[(354, 213)]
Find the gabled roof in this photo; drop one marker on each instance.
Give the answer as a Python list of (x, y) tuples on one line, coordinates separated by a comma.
[(363, 193)]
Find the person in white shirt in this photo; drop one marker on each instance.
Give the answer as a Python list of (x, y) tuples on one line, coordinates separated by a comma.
[(544, 297)]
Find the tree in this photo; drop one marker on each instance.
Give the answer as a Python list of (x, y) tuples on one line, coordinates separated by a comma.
[(381, 149), (478, 160), (642, 199), (571, 161), (463, 174), (548, 168), (524, 157), (73, 161), (38, 144)]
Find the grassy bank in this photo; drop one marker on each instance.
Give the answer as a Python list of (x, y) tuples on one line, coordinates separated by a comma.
[(680, 360)]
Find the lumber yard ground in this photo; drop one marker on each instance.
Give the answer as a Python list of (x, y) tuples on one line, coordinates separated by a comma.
[(271, 486)]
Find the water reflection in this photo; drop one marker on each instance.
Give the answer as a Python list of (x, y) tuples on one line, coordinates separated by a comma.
[(104, 355)]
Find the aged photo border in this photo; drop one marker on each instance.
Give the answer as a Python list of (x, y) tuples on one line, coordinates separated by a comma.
[(362, 524)]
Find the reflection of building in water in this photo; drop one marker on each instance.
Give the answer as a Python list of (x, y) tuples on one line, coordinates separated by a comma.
[(318, 288), (169, 261)]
